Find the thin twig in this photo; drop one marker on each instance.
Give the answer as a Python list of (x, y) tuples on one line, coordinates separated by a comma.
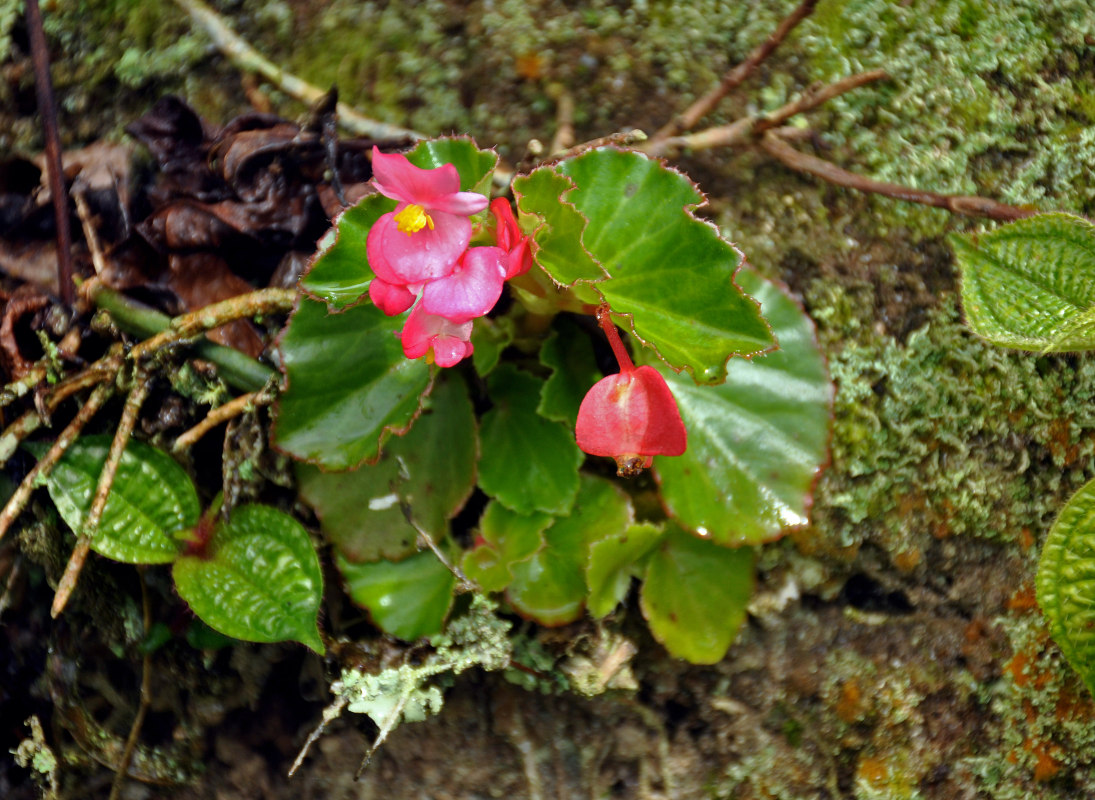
[(133, 403), (90, 235), (330, 713), (191, 325), (223, 413), (16, 389), (736, 76), (18, 501), (122, 769), (746, 130), (47, 110), (386, 728), (424, 538), (827, 171), (247, 58)]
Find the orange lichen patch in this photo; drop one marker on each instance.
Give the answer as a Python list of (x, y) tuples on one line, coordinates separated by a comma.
[(907, 560), (1059, 441), (1026, 538), (1023, 671), (874, 771), (529, 66), (1024, 599), (1047, 757), (850, 707)]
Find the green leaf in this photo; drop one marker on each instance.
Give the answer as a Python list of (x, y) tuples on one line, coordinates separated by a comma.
[(1066, 582), (756, 443), (695, 595), (558, 236), (568, 352), (409, 598), (476, 167), (151, 502), (507, 537), (1030, 284), (432, 468), (550, 587), (258, 581), (349, 385), (671, 271), (529, 463), (340, 272), (614, 561), (490, 337)]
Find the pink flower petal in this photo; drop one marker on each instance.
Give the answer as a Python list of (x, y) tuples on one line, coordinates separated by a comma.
[(472, 289), (508, 236), (396, 177), (463, 203), (425, 255), (390, 298)]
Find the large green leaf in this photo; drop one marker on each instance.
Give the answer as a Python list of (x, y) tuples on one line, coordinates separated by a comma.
[(757, 442), (1031, 284), (151, 502), (695, 595), (476, 167), (349, 384), (550, 587), (259, 580), (340, 272), (671, 271), (529, 463), (1066, 582), (505, 537), (409, 598), (431, 468)]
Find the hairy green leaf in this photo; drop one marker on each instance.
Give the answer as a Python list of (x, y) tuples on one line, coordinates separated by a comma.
[(340, 273), (1030, 284), (258, 581), (1066, 582), (151, 502), (614, 561), (506, 538)]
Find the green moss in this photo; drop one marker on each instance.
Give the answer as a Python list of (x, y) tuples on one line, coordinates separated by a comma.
[(946, 433)]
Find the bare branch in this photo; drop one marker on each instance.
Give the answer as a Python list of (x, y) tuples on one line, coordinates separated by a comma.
[(745, 131), (827, 171), (133, 403), (736, 76)]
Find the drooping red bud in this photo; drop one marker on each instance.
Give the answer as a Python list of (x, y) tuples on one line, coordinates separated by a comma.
[(631, 417)]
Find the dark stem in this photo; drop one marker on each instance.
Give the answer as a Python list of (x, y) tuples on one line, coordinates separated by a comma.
[(604, 318), (47, 109)]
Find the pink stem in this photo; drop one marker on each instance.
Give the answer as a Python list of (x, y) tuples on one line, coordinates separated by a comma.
[(604, 318)]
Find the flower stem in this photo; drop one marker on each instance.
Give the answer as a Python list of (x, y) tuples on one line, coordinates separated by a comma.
[(604, 318)]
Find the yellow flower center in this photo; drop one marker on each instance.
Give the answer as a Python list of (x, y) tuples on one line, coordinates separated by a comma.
[(412, 219)]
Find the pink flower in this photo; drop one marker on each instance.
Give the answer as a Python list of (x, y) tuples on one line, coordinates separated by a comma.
[(508, 236), (442, 341), (631, 416), (424, 237), (472, 289)]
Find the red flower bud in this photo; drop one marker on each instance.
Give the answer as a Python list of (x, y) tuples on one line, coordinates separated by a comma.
[(630, 416)]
